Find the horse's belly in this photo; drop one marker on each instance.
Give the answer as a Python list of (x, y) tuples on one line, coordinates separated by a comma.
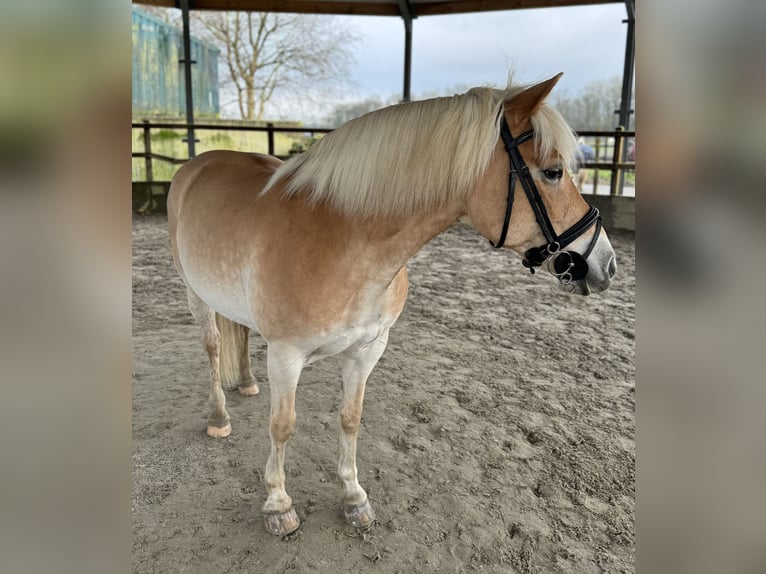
[(232, 305), (225, 295)]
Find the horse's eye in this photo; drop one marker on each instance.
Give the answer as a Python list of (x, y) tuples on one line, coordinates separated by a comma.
[(553, 174)]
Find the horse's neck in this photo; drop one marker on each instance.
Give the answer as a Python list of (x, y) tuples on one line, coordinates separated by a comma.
[(392, 242), (324, 245)]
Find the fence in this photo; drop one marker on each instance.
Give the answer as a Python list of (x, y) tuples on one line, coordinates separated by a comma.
[(610, 149), (611, 153), (153, 135)]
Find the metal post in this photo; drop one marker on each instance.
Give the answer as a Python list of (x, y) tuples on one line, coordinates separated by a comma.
[(408, 14), (270, 136), (628, 71), (627, 84), (187, 62), (617, 173), (595, 171), (148, 151), (407, 59)]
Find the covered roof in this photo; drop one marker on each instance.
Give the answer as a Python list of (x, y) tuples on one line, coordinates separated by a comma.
[(373, 7)]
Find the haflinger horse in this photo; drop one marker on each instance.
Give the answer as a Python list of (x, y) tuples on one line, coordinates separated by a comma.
[(312, 253)]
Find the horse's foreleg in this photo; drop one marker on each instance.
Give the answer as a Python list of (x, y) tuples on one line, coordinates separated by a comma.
[(284, 367), (358, 365), (218, 422)]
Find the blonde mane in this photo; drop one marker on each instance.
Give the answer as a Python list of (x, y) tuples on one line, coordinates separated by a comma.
[(413, 156)]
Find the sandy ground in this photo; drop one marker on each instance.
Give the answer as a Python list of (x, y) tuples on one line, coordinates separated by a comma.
[(497, 436)]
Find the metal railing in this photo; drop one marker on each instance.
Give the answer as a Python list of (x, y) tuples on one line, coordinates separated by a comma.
[(609, 146)]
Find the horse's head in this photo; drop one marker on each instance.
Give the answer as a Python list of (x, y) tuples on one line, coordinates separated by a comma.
[(528, 202)]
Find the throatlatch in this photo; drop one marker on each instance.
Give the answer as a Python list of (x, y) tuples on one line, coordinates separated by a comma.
[(567, 266)]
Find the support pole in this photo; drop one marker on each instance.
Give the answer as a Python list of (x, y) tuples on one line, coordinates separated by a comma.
[(187, 62), (618, 175), (148, 151), (408, 14), (270, 138), (628, 71), (407, 59), (627, 88)]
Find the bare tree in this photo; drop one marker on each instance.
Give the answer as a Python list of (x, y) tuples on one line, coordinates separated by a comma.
[(346, 111), (266, 53), (593, 108)]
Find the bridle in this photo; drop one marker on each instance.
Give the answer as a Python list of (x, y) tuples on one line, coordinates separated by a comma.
[(567, 266)]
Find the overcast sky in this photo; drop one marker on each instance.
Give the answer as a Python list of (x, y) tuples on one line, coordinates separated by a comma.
[(456, 52), (587, 43)]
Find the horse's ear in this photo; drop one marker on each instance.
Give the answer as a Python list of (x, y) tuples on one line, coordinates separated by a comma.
[(526, 103)]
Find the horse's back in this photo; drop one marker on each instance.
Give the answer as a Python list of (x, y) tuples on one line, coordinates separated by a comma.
[(216, 180), (213, 193)]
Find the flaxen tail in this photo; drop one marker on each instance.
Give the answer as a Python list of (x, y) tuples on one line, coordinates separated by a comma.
[(232, 347)]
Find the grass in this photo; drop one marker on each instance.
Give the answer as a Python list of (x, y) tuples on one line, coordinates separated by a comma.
[(605, 175), (171, 143)]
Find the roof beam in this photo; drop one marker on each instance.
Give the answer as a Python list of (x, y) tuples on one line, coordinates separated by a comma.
[(464, 6), (300, 6), (373, 8)]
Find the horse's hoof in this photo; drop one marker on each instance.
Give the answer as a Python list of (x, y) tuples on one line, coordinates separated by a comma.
[(249, 391), (281, 523), (219, 432), (360, 516)]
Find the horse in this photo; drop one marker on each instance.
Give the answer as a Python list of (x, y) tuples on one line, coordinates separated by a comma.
[(311, 253)]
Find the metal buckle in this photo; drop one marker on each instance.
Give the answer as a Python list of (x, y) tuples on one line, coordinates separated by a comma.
[(553, 250), (564, 277)]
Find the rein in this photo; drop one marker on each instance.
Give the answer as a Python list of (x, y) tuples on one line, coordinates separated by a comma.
[(567, 266)]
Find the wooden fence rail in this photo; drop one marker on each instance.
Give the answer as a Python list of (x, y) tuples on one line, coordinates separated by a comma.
[(609, 146)]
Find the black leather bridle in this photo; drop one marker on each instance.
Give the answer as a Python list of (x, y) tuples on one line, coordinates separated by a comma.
[(567, 266)]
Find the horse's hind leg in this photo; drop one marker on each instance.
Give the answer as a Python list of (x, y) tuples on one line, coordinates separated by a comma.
[(247, 385), (218, 422), (284, 366), (234, 357), (358, 365)]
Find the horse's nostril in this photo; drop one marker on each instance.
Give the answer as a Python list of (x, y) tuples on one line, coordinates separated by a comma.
[(612, 268)]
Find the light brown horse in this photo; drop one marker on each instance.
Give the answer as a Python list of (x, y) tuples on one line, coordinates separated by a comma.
[(312, 253)]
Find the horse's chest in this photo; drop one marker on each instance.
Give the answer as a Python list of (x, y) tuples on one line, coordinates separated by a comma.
[(340, 340)]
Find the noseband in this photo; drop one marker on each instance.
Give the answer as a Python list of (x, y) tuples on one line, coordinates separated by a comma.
[(567, 266)]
